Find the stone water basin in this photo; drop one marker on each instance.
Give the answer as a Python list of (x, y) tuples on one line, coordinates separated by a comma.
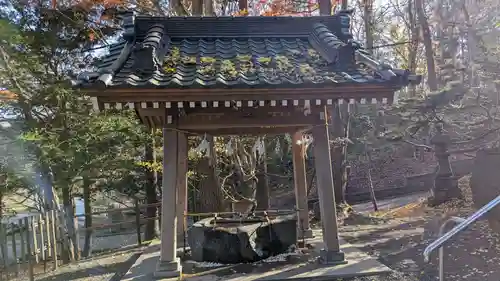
[(231, 241)]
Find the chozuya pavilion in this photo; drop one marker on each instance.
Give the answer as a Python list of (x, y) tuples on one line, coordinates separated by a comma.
[(236, 76)]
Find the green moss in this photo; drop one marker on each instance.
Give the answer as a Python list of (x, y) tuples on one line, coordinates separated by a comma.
[(310, 64), (207, 60), (307, 71), (207, 67), (171, 60), (244, 58), (313, 54), (228, 69), (315, 59), (265, 61), (284, 65)]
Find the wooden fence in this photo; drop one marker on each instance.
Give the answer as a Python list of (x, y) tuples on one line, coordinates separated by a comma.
[(29, 244), (34, 244)]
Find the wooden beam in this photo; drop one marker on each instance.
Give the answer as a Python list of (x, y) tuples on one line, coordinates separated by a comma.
[(250, 131), (214, 118), (246, 118), (164, 95)]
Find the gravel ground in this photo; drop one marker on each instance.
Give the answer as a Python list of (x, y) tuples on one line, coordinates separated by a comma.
[(399, 242)]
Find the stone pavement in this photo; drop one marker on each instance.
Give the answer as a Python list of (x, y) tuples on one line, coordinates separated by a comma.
[(359, 264)]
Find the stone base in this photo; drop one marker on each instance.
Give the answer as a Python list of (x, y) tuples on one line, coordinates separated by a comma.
[(171, 270), (332, 257), (305, 234)]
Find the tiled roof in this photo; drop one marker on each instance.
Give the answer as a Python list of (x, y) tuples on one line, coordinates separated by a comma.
[(240, 52)]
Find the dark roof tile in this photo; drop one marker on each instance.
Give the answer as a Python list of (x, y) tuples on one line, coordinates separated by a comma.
[(220, 52)]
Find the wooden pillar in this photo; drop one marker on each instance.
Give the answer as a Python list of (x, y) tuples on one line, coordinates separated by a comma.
[(300, 182), (169, 265), (337, 154), (331, 253), (182, 192)]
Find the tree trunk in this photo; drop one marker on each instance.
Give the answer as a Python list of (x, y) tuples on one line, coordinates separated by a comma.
[(427, 40), (68, 211), (197, 7), (208, 8), (262, 193), (210, 197), (372, 188), (325, 7), (1, 204), (414, 42), (344, 4), (152, 227), (177, 8), (87, 206), (368, 10), (243, 5)]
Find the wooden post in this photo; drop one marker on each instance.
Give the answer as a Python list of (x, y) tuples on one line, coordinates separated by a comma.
[(331, 254), (22, 236), (138, 222), (168, 265), (76, 237), (48, 252), (300, 183), (3, 247), (41, 223), (53, 237), (15, 228), (182, 187), (34, 226), (28, 249)]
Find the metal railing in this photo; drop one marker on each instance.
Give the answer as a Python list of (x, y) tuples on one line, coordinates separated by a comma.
[(462, 225)]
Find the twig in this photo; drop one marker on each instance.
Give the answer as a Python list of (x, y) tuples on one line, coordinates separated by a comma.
[(478, 138), (419, 145), (12, 76)]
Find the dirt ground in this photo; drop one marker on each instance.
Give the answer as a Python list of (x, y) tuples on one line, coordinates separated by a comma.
[(399, 242), (103, 267)]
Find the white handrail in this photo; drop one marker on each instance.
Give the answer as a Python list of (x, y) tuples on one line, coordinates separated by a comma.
[(441, 249), (463, 223)]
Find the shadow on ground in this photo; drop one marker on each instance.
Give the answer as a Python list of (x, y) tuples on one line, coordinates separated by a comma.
[(118, 270)]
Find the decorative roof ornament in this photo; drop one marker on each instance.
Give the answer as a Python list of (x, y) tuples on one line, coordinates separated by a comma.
[(148, 55), (204, 147)]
